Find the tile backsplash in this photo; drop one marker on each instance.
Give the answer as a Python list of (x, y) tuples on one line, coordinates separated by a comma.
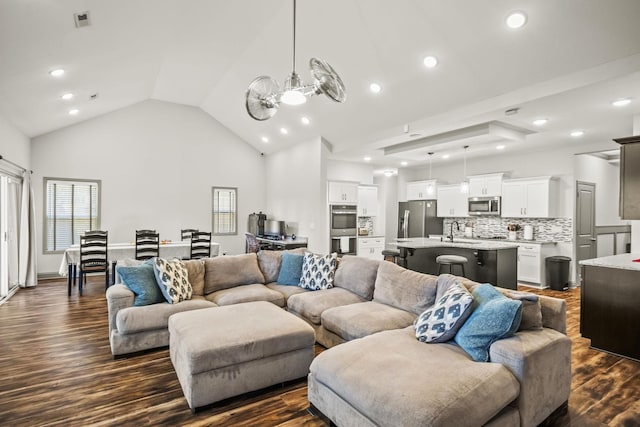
[(546, 229), (366, 222)]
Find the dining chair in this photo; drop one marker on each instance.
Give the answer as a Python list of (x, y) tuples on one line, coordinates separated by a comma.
[(93, 256), (147, 244), (252, 244), (185, 234), (200, 244)]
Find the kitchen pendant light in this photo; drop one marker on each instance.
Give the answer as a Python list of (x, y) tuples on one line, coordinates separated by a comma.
[(430, 186), (464, 185), (264, 96)]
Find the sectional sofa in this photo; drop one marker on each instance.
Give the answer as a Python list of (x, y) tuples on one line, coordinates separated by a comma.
[(375, 371)]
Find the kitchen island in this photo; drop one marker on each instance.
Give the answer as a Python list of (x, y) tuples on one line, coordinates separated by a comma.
[(610, 297), (488, 262)]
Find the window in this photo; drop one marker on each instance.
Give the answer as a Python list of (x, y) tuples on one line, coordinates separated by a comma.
[(225, 218), (71, 208)]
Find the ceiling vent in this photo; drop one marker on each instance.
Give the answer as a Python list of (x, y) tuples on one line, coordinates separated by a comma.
[(81, 19)]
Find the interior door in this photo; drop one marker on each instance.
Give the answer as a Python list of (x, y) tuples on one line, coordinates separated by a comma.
[(585, 224)]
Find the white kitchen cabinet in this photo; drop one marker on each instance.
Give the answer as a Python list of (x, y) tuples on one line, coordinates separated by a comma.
[(422, 190), (452, 202), (371, 247), (531, 261), (367, 200), (343, 192), (489, 185), (529, 198)]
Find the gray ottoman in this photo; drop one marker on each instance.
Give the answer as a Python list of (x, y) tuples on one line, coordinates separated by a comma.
[(226, 351)]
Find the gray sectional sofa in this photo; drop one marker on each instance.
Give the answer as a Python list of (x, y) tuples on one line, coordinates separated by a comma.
[(375, 371)]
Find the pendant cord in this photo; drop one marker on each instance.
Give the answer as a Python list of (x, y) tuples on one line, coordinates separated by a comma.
[(294, 36)]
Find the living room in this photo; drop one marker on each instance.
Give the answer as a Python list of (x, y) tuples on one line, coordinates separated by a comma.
[(169, 121)]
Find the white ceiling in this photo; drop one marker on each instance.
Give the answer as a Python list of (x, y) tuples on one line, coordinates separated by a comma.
[(567, 64)]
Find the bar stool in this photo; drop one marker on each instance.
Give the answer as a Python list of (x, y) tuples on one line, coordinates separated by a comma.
[(390, 255), (451, 260)]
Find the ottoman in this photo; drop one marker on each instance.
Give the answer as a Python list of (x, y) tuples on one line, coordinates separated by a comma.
[(221, 352)]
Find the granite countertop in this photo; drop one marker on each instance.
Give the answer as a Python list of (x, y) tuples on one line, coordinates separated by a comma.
[(421, 242), (371, 236), (534, 241), (622, 261)]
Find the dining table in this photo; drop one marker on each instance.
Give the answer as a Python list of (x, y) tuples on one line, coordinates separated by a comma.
[(118, 251)]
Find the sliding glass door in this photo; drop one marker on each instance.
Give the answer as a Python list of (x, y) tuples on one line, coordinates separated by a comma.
[(10, 193)]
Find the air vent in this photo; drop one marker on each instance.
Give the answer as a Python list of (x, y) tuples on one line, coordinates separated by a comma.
[(511, 111), (93, 96), (81, 19)]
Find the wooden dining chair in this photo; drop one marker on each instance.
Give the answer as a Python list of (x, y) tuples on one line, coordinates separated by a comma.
[(147, 244), (185, 234), (200, 244), (93, 256)]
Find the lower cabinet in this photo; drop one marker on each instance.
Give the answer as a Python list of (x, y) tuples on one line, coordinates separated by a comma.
[(371, 247), (531, 262)]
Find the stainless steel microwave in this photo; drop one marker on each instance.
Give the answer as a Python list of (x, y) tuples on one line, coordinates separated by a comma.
[(484, 206)]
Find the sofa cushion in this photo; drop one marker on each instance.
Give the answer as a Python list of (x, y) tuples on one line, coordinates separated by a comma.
[(131, 320), (531, 308), (441, 322), (357, 274), (269, 263), (246, 293), (318, 271), (227, 271), (286, 290), (141, 280), (494, 317), (404, 289), (434, 385), (290, 269), (195, 272), (172, 279), (365, 318), (310, 305)]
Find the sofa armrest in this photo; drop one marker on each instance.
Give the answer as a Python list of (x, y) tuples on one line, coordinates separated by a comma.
[(554, 313), (541, 361), (118, 297)]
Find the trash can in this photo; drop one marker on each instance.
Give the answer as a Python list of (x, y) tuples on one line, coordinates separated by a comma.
[(557, 272)]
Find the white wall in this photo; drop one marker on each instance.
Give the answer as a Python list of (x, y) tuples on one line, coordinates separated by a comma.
[(347, 171), (296, 191), (14, 145), (635, 225), (157, 162)]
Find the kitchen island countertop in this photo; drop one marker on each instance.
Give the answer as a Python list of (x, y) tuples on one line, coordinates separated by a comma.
[(422, 242), (622, 261)]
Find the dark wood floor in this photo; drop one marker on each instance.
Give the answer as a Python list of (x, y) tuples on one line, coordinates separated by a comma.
[(56, 369)]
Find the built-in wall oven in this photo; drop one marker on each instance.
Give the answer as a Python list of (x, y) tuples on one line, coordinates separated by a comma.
[(344, 225)]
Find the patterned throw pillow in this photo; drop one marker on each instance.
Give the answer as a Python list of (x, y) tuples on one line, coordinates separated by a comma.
[(318, 271), (173, 280), (441, 322)]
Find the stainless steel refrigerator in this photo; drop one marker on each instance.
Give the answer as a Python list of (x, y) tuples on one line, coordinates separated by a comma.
[(418, 219)]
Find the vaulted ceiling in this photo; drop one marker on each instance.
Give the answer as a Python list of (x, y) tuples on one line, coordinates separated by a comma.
[(571, 59)]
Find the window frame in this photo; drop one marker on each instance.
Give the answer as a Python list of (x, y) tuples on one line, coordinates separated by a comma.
[(45, 233), (233, 210)]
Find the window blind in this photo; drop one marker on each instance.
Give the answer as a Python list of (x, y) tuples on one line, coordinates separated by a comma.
[(224, 211)]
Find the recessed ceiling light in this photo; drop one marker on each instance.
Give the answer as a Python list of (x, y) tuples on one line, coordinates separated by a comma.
[(445, 156), (67, 96), (388, 173), (284, 131), (516, 20), (577, 133), (57, 72), (540, 122), (74, 112), (305, 120), (499, 147), (404, 163), (621, 102), (375, 88), (265, 139), (430, 61), (367, 159)]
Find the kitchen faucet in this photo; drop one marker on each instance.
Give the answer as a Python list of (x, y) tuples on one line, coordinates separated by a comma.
[(450, 236)]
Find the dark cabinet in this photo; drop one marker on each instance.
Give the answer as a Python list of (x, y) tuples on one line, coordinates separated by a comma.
[(629, 177)]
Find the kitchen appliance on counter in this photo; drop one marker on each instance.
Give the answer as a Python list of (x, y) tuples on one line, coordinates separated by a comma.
[(418, 219), (484, 206), (528, 232), (256, 222), (274, 229)]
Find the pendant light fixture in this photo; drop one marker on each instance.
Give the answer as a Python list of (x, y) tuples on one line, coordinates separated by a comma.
[(464, 185), (263, 96), (430, 186)]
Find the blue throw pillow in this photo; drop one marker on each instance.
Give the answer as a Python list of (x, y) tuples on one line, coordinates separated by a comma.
[(141, 279), (494, 318), (290, 269)]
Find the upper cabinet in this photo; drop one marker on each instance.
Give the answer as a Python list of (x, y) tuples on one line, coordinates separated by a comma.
[(529, 198), (343, 192), (452, 202), (629, 177), (422, 190), (489, 185), (367, 200)]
